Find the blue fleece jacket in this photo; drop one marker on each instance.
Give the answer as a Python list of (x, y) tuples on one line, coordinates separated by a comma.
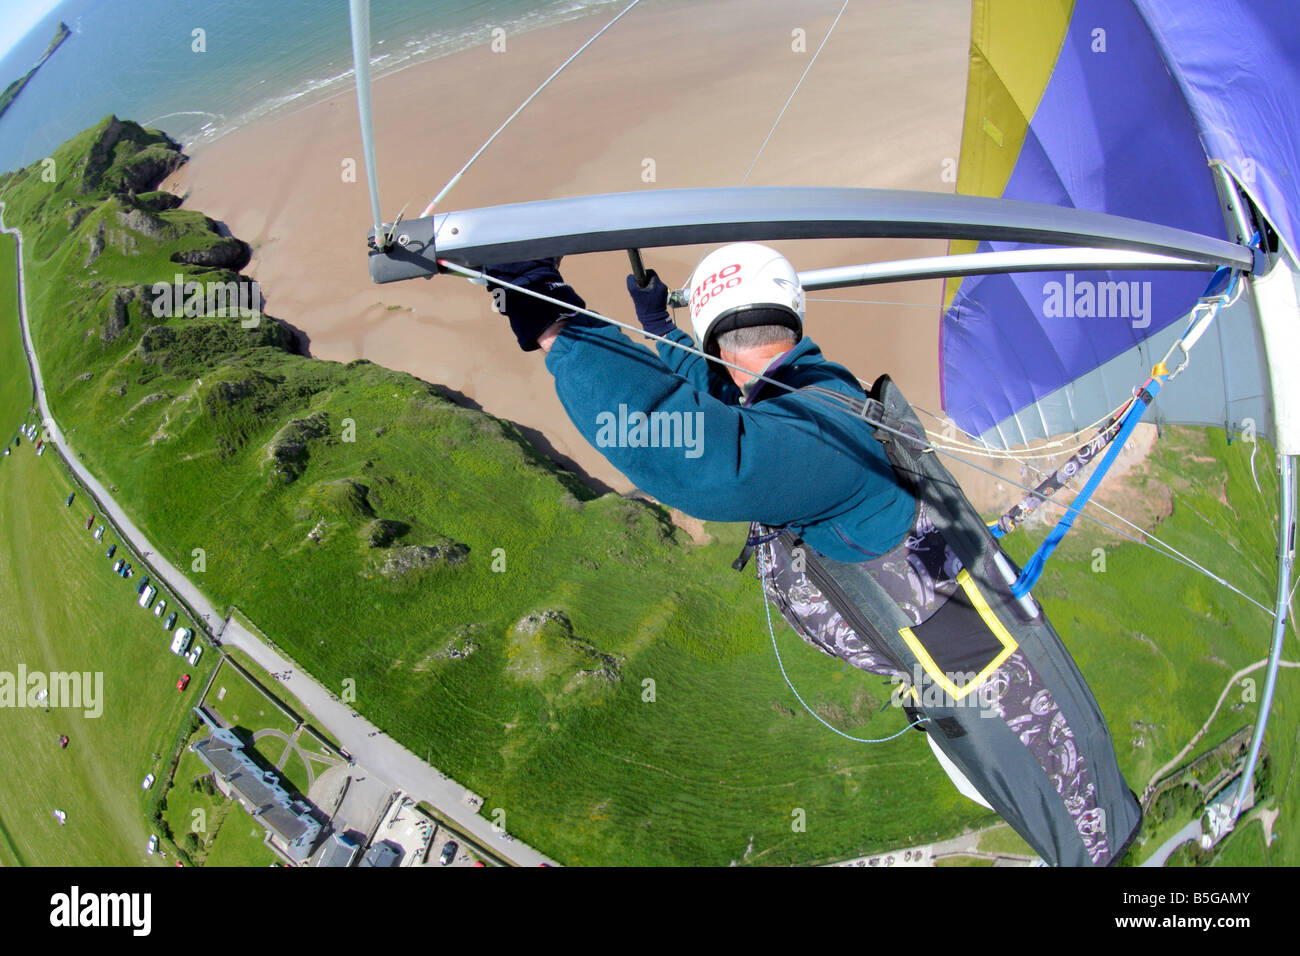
[(785, 459)]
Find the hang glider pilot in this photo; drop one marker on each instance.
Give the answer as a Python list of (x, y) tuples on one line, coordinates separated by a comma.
[(760, 453), (715, 442)]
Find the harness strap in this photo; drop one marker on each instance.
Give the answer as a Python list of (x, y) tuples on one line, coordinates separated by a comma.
[(1057, 480), (1034, 568), (757, 536)]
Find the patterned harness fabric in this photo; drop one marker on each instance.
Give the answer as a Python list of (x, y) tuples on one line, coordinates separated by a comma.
[(910, 585)]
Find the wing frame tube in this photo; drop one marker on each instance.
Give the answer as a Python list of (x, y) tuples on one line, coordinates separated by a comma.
[(675, 217), (1076, 259)]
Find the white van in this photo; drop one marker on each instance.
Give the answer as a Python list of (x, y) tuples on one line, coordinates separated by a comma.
[(181, 640)]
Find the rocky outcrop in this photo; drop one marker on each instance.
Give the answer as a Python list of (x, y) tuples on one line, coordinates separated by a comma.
[(544, 650), (158, 201), (423, 557), (94, 246), (146, 223), (76, 216), (382, 532), (118, 315), (226, 252), (287, 450)]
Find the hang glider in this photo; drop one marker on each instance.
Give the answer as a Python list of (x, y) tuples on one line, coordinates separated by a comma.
[(1106, 176)]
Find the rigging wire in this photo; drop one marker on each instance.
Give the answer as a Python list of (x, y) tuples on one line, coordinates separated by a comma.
[(428, 210), (1169, 550), (1064, 445), (1172, 553), (915, 305), (790, 98)]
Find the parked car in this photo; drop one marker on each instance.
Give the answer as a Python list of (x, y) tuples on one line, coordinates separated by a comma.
[(170, 622), (112, 550), (195, 653), (144, 583), (148, 782), (99, 533), (448, 852), (67, 502), (181, 640), (90, 522), (117, 565), (183, 682), (153, 845), (159, 608)]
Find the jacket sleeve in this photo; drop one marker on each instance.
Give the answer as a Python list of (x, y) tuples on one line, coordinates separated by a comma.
[(714, 460), (702, 374)]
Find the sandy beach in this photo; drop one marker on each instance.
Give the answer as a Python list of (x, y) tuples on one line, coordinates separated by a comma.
[(693, 87)]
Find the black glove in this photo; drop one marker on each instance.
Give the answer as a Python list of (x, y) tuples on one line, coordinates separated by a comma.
[(651, 301), (530, 317)]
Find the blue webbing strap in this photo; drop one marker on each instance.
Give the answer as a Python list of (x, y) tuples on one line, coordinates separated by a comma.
[(1034, 569)]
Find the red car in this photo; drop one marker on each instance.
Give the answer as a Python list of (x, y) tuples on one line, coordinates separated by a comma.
[(183, 682), (90, 522)]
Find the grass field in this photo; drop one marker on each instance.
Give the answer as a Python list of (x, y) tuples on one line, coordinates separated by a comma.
[(66, 611), (239, 842), (243, 705), (183, 801)]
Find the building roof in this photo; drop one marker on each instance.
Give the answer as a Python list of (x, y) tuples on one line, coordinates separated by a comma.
[(382, 854), (339, 851), (260, 792)]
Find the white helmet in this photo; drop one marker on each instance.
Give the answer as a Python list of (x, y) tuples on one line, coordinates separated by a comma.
[(741, 285)]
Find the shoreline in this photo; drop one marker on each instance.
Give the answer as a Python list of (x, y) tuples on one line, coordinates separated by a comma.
[(311, 92)]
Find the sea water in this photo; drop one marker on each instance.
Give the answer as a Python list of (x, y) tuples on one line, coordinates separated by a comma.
[(139, 59)]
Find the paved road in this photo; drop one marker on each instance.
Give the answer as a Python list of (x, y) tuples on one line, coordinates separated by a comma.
[(378, 753), (1190, 832)]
